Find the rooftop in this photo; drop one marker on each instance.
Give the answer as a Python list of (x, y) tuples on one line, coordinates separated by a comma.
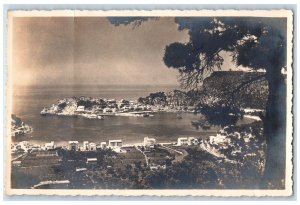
[(115, 140)]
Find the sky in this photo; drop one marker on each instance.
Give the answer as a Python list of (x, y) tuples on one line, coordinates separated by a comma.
[(90, 50)]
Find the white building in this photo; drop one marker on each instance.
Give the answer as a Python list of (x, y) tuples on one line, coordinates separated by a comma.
[(34, 147), (192, 141), (182, 141), (85, 146), (92, 146), (91, 160), (73, 145), (103, 145), (115, 143), (107, 110), (22, 145), (219, 138), (80, 108), (149, 141), (111, 101), (49, 145)]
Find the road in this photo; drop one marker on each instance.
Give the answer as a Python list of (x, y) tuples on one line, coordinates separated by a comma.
[(179, 155), (146, 158)]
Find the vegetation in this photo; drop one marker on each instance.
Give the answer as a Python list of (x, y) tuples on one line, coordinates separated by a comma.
[(255, 43), (18, 127)]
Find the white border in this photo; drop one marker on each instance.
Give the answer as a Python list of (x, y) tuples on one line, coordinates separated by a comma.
[(201, 192)]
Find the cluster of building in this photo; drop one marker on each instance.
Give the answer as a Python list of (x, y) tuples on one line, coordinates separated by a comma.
[(110, 106), (93, 106), (25, 146), (115, 145), (243, 143), (183, 141)]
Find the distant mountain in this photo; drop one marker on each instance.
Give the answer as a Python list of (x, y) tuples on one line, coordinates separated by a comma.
[(173, 98), (249, 89)]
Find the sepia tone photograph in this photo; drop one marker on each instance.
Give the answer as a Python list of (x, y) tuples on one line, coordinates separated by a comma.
[(151, 102)]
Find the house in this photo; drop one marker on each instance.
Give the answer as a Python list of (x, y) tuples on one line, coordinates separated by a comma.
[(157, 167), (80, 109), (219, 138), (182, 141), (149, 141), (34, 147), (91, 160), (85, 146), (80, 169), (122, 103), (103, 145), (192, 141), (107, 110), (73, 145), (49, 146), (111, 101), (24, 144), (115, 143), (16, 163), (92, 146)]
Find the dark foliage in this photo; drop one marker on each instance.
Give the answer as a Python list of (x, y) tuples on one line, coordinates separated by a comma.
[(254, 42), (62, 105)]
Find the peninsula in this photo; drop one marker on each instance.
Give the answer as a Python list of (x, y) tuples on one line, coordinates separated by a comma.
[(97, 108)]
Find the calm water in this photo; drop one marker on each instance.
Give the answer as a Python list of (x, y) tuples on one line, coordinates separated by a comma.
[(165, 127)]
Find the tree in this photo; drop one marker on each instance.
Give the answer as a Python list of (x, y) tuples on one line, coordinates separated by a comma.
[(256, 43)]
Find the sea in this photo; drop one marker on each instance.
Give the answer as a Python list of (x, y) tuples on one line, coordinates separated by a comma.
[(28, 101)]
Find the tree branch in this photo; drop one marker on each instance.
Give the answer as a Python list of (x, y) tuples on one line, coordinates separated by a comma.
[(192, 78)]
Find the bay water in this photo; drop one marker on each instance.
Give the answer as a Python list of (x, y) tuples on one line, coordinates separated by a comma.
[(28, 101)]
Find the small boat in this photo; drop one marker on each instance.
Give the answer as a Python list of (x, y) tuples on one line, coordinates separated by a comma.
[(179, 116)]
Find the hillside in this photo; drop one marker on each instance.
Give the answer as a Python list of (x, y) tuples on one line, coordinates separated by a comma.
[(215, 87), (247, 89), (18, 127)]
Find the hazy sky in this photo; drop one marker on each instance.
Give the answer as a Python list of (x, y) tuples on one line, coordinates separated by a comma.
[(90, 50)]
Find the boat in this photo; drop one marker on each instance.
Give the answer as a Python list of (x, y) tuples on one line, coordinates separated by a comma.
[(179, 116)]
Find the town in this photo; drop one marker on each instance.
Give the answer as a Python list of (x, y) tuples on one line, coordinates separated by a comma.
[(117, 146), (98, 108), (114, 158)]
